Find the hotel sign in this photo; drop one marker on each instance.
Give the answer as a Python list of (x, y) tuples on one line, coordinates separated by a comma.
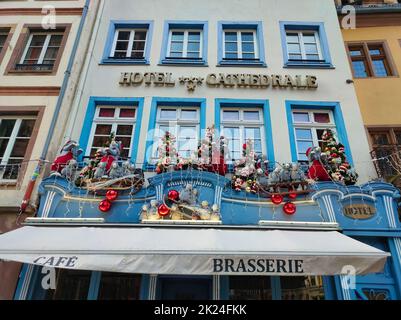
[(220, 80), (359, 211)]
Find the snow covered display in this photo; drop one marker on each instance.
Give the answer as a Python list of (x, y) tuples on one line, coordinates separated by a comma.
[(167, 152)]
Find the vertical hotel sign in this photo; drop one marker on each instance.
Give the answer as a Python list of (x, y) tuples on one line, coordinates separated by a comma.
[(262, 81)]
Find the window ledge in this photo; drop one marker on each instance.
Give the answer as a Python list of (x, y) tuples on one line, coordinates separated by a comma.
[(177, 62), (319, 65), (234, 63), (124, 61)]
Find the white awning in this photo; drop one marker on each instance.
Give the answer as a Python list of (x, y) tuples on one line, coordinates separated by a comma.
[(195, 251)]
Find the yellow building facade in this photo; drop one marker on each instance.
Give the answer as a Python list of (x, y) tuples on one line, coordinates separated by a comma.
[(374, 53)]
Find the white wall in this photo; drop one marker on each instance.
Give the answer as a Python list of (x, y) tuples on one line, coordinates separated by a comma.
[(103, 80)]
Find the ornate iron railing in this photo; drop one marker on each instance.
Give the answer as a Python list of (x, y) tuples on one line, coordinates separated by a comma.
[(387, 160)]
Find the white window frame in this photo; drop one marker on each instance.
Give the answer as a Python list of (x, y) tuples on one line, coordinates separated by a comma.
[(130, 41), (177, 123), (185, 43), (302, 43), (314, 126), (239, 42), (241, 124), (114, 122), (45, 45), (11, 142)]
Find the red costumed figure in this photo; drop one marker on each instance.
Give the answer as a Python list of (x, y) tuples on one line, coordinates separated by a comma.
[(316, 170), (69, 151)]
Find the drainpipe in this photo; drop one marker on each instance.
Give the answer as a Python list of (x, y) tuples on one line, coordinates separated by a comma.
[(60, 99)]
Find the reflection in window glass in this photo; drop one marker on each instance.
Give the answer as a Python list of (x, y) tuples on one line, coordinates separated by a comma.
[(302, 288), (119, 286), (250, 288), (70, 285)]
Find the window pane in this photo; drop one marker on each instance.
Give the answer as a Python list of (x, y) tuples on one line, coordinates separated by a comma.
[(55, 40), (3, 146), (302, 288), (231, 36), (6, 127), (189, 114), (309, 38), (380, 138), (177, 36), (248, 56), (250, 288), (229, 115), (321, 117), (374, 52), (177, 46), (398, 136), (122, 45), (303, 134), (140, 35), (355, 52), (193, 55), (103, 129), (124, 35), (294, 48), (38, 40), (100, 141), (138, 45), (311, 49), (12, 169), (247, 36), (231, 133), (188, 132), (71, 285), (106, 112), (127, 113), (300, 117), (169, 114), (380, 68), (32, 56), (231, 56), (125, 141), (51, 54), (119, 286), (359, 69), (251, 115), (231, 46), (292, 38), (176, 54), (295, 56), (252, 133), (193, 46), (257, 145), (194, 36), (248, 47), (124, 130), (303, 146), (312, 57), (26, 128), (19, 148), (3, 38)]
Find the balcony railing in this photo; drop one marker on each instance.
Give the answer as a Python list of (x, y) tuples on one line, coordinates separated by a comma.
[(34, 67), (387, 160)]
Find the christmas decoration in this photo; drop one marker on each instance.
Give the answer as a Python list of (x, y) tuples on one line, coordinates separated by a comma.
[(317, 162), (181, 205), (249, 170), (69, 153), (212, 153), (289, 208), (277, 198), (168, 156), (111, 195), (292, 195), (105, 205), (338, 169), (163, 210), (173, 195)]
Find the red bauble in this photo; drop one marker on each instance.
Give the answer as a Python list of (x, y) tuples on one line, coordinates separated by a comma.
[(111, 195), (292, 195), (104, 205), (289, 208), (173, 195), (277, 198), (163, 210)]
